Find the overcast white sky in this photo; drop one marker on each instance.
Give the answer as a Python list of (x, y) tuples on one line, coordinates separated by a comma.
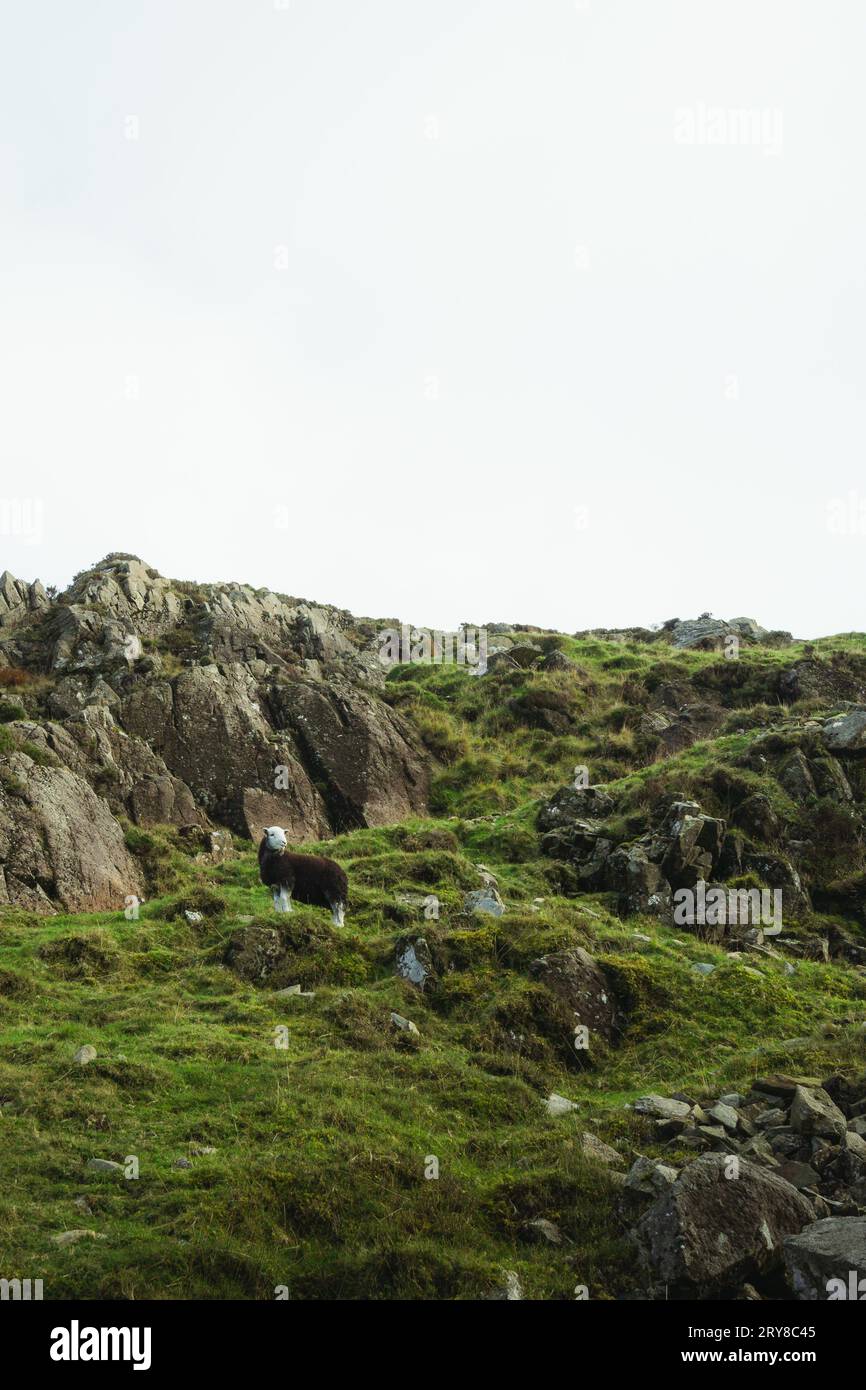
[(468, 310)]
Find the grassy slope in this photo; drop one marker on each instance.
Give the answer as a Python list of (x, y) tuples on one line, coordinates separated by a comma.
[(318, 1178)]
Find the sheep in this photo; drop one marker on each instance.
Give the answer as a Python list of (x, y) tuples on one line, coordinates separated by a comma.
[(307, 877)]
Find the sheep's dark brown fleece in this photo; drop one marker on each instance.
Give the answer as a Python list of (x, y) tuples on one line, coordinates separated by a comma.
[(308, 878)]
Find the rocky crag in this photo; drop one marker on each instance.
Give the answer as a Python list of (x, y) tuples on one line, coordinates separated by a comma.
[(178, 704)]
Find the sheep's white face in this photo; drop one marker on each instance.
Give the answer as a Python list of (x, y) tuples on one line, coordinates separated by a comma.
[(276, 837)]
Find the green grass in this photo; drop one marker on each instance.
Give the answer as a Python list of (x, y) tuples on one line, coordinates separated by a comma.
[(318, 1180)]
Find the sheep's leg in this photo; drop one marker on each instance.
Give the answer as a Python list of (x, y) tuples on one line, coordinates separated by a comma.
[(337, 913), (282, 900)]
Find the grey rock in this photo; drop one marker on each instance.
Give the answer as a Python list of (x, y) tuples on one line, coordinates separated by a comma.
[(56, 831), (799, 1175), (85, 1054), (405, 1025), (559, 1105), (692, 632), (485, 900), (660, 1108), (649, 1177), (710, 1231), (639, 882), (509, 1290), (846, 733), (827, 1259), (577, 979), (768, 1119), (575, 803), (725, 1115), (855, 1144), (73, 1237), (414, 962), (796, 777), (814, 1113), (596, 1149)]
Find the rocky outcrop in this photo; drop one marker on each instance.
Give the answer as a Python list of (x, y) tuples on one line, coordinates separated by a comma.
[(368, 761), (210, 728), (109, 614), (569, 804), (191, 704), (706, 631), (685, 848), (19, 601), (120, 767), (60, 846)]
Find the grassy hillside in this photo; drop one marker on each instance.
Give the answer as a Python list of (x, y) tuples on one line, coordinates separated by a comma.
[(304, 1165)]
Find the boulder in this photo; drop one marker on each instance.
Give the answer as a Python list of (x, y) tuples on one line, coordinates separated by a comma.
[(256, 952), (404, 1025), (576, 979), (831, 781), (640, 884), (600, 1152), (827, 1259), (814, 1114), (662, 1108), (414, 962), (717, 1226), (19, 600), (693, 845), (648, 1177), (777, 872), (697, 631), (756, 816), (559, 1105), (846, 733), (541, 1231), (575, 804), (724, 1115)]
